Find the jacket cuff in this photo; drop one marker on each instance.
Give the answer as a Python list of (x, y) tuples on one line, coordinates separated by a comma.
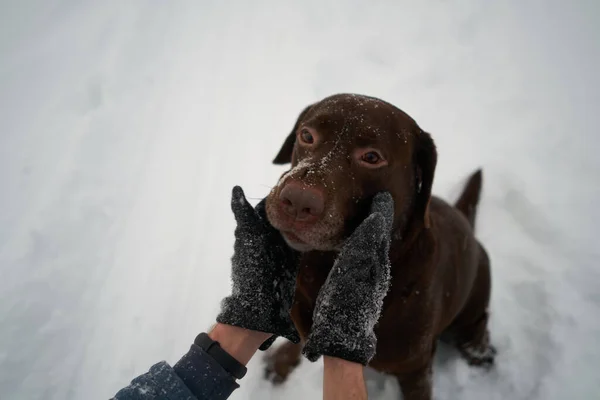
[(204, 376)]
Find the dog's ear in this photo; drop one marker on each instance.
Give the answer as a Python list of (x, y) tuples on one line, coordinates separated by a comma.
[(425, 159), (285, 153)]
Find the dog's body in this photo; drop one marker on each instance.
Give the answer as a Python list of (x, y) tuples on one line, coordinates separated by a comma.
[(348, 148)]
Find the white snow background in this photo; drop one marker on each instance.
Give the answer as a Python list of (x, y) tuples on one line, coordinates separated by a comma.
[(124, 125)]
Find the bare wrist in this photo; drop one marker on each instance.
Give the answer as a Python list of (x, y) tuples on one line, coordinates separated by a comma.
[(239, 342), (336, 362), (343, 379)]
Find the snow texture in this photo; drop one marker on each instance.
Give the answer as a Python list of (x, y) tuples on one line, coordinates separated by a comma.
[(125, 124), (263, 271), (349, 303)]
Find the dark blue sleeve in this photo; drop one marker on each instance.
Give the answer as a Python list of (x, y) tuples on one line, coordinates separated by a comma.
[(161, 382), (197, 376), (204, 376)]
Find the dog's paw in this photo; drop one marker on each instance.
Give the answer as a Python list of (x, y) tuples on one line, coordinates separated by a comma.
[(479, 356), (281, 362)]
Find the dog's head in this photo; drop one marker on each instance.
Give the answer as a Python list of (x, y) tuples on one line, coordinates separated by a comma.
[(343, 150)]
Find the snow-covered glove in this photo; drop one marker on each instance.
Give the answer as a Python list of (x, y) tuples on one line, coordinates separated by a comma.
[(349, 303), (263, 273)]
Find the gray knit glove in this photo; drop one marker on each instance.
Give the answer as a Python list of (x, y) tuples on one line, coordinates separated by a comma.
[(350, 301), (263, 272)]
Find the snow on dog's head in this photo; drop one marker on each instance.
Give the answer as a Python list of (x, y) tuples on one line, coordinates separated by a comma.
[(343, 150)]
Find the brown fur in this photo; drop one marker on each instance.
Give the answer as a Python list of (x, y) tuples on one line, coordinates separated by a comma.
[(440, 273)]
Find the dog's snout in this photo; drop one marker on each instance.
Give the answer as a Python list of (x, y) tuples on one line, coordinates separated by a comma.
[(301, 202)]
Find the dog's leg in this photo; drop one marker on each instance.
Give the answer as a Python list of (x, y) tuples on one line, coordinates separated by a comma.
[(473, 342), (282, 361), (471, 326), (417, 385)]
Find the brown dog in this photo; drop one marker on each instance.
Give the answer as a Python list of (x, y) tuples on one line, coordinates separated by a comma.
[(343, 150)]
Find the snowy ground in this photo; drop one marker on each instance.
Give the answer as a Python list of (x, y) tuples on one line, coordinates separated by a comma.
[(124, 125)]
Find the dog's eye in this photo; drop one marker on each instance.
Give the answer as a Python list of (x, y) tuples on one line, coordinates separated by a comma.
[(306, 136), (371, 157)]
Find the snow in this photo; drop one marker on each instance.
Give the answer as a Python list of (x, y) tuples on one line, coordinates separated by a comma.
[(124, 126)]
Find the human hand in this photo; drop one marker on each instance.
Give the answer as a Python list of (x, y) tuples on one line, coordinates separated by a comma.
[(349, 303), (263, 273)]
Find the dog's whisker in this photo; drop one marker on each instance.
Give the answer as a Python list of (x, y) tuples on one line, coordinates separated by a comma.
[(270, 187)]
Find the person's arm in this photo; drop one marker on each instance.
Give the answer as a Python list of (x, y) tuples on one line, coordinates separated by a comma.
[(343, 380)]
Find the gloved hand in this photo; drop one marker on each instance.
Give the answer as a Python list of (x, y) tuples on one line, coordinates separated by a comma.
[(263, 272), (349, 303)]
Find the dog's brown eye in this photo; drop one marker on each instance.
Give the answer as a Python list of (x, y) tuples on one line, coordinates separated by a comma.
[(306, 136), (371, 157)]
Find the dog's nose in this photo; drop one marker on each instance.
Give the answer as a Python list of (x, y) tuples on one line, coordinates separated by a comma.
[(301, 202)]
